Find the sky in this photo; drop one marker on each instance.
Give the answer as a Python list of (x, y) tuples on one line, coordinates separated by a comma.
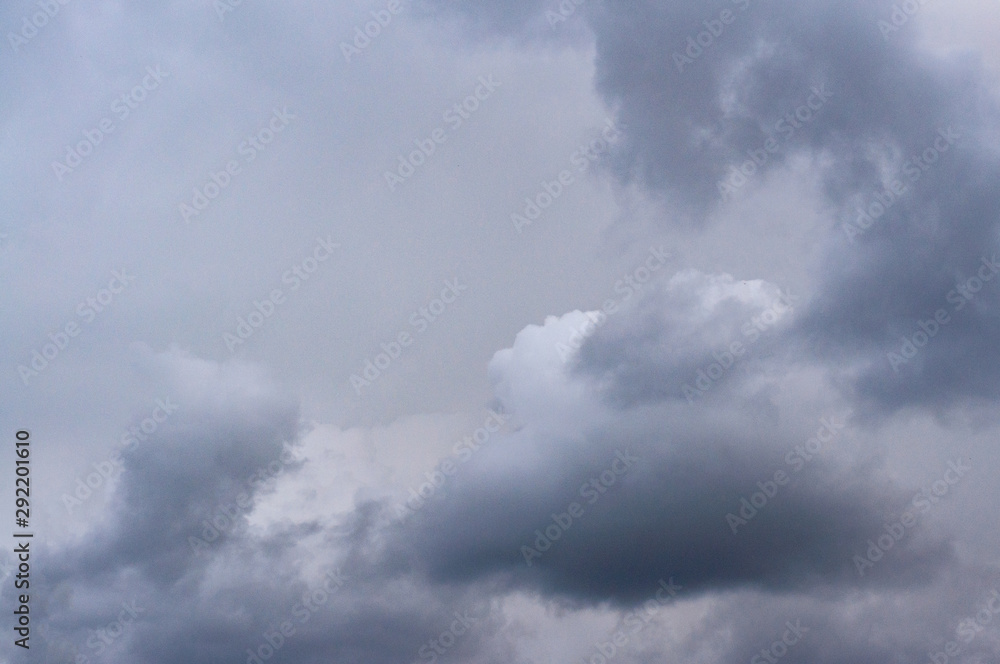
[(522, 332)]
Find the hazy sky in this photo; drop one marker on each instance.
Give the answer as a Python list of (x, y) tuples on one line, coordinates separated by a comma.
[(595, 331)]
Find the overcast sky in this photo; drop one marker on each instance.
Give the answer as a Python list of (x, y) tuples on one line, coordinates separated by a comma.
[(525, 331)]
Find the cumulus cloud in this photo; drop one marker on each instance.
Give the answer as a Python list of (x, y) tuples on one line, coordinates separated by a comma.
[(673, 504)]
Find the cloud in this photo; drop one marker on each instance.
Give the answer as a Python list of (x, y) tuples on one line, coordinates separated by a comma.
[(236, 590), (229, 422), (677, 509), (701, 96), (668, 345)]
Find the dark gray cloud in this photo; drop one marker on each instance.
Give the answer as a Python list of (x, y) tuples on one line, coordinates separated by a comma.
[(692, 464), (691, 121), (917, 260), (228, 424), (235, 590), (694, 112)]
